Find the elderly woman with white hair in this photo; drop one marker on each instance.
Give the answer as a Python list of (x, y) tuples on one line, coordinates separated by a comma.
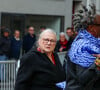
[(40, 68), (62, 43)]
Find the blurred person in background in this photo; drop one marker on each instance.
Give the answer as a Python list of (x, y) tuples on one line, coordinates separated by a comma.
[(62, 43), (71, 34), (29, 39), (5, 44), (16, 45), (40, 68), (2, 28), (42, 28)]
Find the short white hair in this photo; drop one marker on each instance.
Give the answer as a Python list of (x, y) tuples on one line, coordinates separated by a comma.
[(45, 31), (49, 31), (31, 27), (62, 33)]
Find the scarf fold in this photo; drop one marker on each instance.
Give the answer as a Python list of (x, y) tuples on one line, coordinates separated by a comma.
[(63, 44), (82, 49)]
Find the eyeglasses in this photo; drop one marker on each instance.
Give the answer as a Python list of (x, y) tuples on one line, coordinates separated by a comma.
[(47, 40)]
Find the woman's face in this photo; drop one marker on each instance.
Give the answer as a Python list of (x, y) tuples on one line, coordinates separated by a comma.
[(62, 38), (47, 42)]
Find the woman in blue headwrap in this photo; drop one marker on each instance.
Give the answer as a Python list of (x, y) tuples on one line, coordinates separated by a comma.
[(82, 69)]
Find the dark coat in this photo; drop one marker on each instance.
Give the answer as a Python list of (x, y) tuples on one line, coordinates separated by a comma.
[(28, 42), (37, 72), (58, 46), (15, 48), (70, 41), (5, 44), (79, 78)]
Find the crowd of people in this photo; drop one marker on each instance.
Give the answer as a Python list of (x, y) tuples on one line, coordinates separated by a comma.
[(40, 67), (11, 47), (63, 44)]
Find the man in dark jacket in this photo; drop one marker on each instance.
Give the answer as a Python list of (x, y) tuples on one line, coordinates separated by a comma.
[(5, 43), (29, 39), (4, 49), (16, 45), (71, 34)]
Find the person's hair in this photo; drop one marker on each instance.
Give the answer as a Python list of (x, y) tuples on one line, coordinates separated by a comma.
[(62, 33), (47, 30), (30, 27), (27, 26), (42, 27), (6, 30), (15, 31), (69, 28), (84, 17)]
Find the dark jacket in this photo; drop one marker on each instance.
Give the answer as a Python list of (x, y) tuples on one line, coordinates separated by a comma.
[(58, 46), (71, 39), (5, 44), (37, 72), (15, 48), (28, 42), (79, 78)]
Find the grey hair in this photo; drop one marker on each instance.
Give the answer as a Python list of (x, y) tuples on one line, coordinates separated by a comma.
[(84, 17), (45, 31), (62, 33)]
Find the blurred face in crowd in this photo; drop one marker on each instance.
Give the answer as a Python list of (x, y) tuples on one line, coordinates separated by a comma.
[(69, 32), (47, 42), (42, 29), (62, 38), (17, 34), (6, 34), (31, 30)]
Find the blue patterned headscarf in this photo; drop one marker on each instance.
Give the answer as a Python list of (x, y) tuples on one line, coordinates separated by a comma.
[(82, 49)]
